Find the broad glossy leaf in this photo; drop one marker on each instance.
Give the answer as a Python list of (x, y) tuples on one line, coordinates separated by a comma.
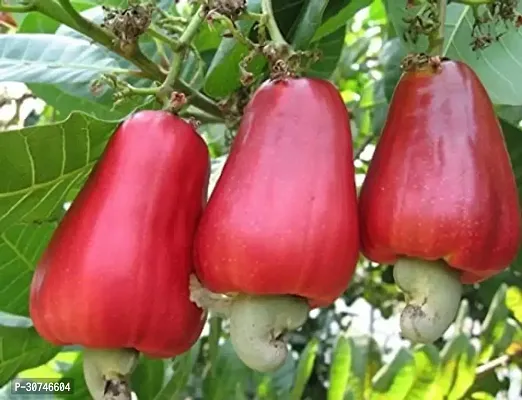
[(427, 364), (147, 378), (510, 114), (397, 11), (464, 373), (67, 98), (330, 47), (21, 348), (46, 58), (340, 369), (337, 15), (287, 16), (459, 360), (311, 18), (223, 75), (208, 37), (41, 164), (514, 302), (488, 386), (231, 375), (394, 380), (59, 69), (75, 372), (20, 248), (390, 57), (486, 395), (378, 13), (39, 23), (180, 374), (366, 361), (513, 136), (214, 335), (497, 333), (496, 65), (304, 369)]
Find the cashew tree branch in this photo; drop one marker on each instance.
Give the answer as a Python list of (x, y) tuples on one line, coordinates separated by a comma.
[(63, 12)]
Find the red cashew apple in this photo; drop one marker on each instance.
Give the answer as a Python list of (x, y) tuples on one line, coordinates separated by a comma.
[(440, 199), (280, 232), (115, 275)]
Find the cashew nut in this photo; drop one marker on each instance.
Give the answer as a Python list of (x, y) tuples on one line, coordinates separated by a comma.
[(433, 291), (257, 325), (107, 372)]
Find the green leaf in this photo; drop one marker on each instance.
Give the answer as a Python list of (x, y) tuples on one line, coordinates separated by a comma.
[(514, 302), (20, 248), (230, 376), (310, 20), (67, 98), (180, 374), (337, 15), (75, 372), (493, 325), (510, 114), (513, 137), (340, 369), (41, 164), (39, 23), (459, 360), (287, 16), (21, 348), (378, 15), (279, 382), (214, 335), (496, 65), (147, 378), (393, 381), (330, 47), (390, 57), (223, 75), (47, 58), (465, 373), (397, 11), (304, 369), (487, 387), (427, 366), (208, 38), (366, 360)]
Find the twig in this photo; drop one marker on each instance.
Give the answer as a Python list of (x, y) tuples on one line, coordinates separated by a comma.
[(180, 48), (501, 361), (271, 22), (236, 34), (160, 36), (19, 8)]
